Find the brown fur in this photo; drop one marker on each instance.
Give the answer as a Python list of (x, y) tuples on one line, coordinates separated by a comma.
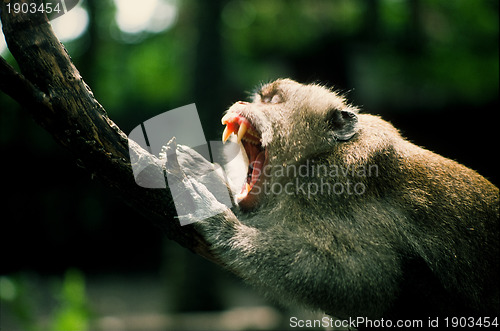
[(421, 239)]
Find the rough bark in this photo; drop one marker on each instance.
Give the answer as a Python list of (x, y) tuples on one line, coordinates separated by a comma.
[(52, 90)]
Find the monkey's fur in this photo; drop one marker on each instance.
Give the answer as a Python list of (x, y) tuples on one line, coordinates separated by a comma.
[(420, 239)]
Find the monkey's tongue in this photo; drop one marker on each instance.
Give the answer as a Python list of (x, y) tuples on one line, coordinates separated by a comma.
[(256, 158), (256, 168)]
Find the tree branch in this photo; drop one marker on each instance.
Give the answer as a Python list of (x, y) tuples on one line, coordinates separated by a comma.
[(17, 87), (53, 91)]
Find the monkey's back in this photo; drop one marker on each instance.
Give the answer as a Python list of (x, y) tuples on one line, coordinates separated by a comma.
[(451, 214)]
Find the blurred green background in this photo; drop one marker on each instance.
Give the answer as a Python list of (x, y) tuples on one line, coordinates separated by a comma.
[(75, 257)]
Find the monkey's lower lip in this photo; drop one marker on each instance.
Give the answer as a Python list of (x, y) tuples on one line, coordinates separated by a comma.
[(250, 138)]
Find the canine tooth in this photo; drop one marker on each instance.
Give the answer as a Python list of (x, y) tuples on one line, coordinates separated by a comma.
[(225, 118), (244, 192), (241, 131), (225, 134)]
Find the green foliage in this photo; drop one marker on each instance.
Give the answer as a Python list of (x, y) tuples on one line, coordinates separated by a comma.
[(15, 296), (447, 47), (23, 299), (72, 312)]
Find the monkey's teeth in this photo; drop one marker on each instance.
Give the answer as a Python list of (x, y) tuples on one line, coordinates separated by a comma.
[(241, 131), (244, 192), (226, 134), (241, 127), (251, 140), (226, 118)]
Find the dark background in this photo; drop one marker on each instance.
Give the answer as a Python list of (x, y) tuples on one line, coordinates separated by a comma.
[(428, 66)]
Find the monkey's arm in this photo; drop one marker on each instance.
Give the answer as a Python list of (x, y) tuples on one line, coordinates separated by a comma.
[(290, 264), (290, 269)]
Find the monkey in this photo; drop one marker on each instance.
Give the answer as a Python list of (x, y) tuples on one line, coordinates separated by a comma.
[(339, 213)]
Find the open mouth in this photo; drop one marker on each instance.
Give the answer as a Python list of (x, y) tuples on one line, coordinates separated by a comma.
[(250, 138)]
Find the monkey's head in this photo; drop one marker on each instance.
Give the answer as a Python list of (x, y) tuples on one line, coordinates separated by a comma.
[(285, 124)]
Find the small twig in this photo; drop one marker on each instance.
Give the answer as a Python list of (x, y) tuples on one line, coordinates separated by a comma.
[(19, 88)]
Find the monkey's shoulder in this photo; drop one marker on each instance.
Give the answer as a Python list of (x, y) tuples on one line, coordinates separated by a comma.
[(409, 165)]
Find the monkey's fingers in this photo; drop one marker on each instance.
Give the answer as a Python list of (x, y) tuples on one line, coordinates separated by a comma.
[(170, 151)]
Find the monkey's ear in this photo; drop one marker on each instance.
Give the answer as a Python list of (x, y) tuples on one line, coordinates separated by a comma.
[(344, 123)]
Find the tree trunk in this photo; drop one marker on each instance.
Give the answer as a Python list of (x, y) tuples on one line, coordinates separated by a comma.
[(52, 90)]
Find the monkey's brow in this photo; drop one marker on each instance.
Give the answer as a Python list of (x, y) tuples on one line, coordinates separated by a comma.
[(267, 90), (258, 90)]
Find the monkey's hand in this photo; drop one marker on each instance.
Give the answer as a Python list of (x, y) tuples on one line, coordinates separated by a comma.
[(198, 187)]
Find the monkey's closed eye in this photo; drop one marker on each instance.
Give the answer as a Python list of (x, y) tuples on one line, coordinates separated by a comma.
[(276, 98)]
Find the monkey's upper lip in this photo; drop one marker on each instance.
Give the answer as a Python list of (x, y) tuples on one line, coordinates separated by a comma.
[(250, 138)]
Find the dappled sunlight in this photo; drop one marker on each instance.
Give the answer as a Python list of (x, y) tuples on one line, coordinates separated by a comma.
[(3, 44), (148, 15), (71, 25)]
